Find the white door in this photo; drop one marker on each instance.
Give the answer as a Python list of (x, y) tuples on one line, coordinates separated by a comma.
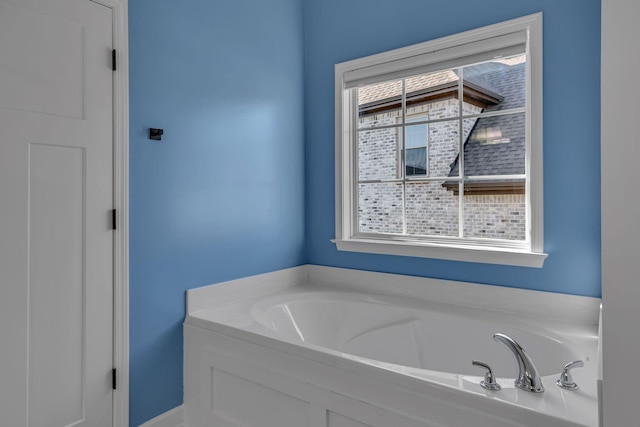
[(56, 193)]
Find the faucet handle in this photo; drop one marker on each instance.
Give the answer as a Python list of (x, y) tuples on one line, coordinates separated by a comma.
[(489, 382), (565, 381)]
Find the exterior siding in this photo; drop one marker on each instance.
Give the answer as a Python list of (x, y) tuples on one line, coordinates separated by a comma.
[(431, 209)]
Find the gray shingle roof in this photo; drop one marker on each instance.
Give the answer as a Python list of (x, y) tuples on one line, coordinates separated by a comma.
[(386, 90), (496, 146)]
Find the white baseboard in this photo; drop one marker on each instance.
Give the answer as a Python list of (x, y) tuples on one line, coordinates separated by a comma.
[(172, 418)]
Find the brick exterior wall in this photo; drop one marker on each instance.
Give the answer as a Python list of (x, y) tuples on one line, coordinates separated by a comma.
[(431, 209), (500, 216)]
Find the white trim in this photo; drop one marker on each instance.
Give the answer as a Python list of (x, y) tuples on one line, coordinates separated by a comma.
[(171, 418), (485, 255), (528, 253), (535, 183), (494, 31), (620, 211), (121, 204), (437, 59)]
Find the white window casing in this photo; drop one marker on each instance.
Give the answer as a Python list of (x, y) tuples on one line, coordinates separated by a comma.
[(483, 44)]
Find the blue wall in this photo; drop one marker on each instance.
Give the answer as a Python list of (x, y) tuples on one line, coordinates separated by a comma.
[(229, 192), (222, 196), (340, 30)]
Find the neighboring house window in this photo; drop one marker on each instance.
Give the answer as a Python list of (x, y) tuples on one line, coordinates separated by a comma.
[(415, 146), (439, 148)]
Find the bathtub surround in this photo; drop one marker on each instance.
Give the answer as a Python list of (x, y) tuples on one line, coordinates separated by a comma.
[(276, 359), (545, 305)]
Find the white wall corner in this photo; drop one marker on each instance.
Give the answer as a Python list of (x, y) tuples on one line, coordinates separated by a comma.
[(620, 211), (172, 418)]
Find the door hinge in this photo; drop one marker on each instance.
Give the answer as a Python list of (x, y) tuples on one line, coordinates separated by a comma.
[(113, 220), (114, 375), (113, 60)]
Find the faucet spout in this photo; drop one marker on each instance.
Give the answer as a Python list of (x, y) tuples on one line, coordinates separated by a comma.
[(527, 377)]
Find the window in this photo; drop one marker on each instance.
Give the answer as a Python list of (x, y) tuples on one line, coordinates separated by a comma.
[(415, 147), (439, 148)]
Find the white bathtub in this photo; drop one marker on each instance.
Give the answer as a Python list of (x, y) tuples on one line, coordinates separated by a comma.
[(298, 349)]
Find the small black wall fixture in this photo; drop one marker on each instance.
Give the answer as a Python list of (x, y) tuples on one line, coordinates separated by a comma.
[(155, 134)]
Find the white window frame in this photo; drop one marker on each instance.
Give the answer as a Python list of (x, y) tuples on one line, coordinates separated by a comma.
[(435, 55)]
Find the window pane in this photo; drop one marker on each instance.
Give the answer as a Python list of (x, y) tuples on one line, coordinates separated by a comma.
[(380, 208), (432, 210), (433, 93), (378, 154), (496, 85), (416, 161), (496, 146), (380, 104), (416, 141), (495, 212), (416, 136), (444, 141)]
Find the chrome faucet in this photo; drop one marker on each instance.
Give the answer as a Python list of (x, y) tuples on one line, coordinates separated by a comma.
[(527, 377)]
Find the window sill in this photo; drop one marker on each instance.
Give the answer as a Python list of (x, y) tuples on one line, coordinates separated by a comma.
[(447, 252)]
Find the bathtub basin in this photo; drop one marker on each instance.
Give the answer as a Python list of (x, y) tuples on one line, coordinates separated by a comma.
[(436, 337), (403, 354)]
